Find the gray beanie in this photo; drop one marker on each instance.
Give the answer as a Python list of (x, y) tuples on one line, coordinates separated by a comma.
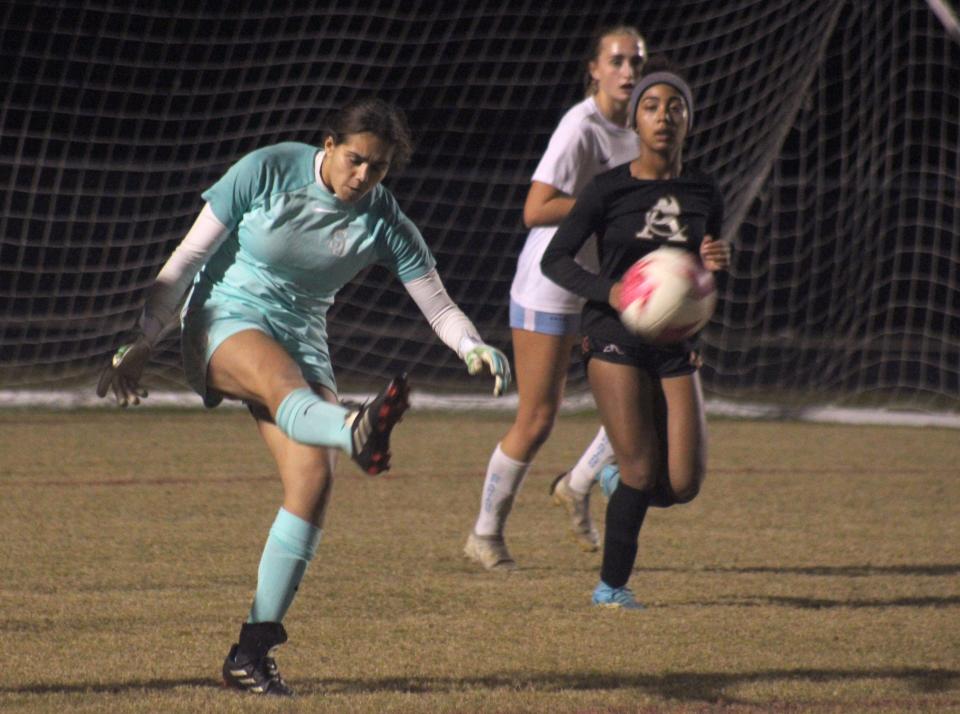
[(674, 80)]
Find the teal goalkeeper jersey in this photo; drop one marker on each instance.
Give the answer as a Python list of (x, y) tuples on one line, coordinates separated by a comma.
[(293, 244)]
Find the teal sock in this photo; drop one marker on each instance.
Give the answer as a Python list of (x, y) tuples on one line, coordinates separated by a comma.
[(309, 419), (291, 544)]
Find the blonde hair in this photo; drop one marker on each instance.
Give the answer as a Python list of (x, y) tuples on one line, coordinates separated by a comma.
[(597, 43)]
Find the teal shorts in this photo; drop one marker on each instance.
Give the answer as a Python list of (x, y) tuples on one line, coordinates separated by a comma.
[(206, 326)]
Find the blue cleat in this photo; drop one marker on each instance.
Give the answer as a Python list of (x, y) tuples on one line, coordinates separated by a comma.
[(608, 478), (621, 598)]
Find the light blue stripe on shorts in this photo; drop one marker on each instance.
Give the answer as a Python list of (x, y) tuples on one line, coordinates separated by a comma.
[(547, 323)]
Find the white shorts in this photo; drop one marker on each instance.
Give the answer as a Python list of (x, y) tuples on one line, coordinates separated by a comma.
[(534, 290)]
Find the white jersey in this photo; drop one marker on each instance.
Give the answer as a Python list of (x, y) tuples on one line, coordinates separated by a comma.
[(584, 144)]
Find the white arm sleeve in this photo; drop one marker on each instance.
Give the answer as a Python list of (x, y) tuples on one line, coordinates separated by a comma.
[(447, 320), (167, 293)]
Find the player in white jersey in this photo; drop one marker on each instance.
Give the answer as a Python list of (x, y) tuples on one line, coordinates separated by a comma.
[(283, 230), (591, 138)]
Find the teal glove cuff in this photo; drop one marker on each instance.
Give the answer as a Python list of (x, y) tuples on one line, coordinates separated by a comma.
[(497, 363)]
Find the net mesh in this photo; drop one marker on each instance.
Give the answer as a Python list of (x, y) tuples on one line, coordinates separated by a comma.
[(832, 128)]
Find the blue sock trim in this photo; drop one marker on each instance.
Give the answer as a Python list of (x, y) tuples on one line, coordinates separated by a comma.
[(291, 545), (309, 419), (298, 536)]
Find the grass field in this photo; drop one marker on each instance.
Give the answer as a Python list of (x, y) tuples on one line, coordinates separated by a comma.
[(817, 572)]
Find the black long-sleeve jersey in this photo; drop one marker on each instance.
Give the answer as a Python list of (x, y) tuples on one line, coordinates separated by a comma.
[(631, 217)]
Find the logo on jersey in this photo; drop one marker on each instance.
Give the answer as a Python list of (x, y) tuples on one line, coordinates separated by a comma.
[(663, 222), (338, 242)]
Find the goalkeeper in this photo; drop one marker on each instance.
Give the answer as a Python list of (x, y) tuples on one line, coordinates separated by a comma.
[(281, 232)]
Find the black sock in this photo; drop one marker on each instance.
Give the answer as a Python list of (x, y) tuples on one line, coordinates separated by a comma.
[(257, 638), (625, 512)]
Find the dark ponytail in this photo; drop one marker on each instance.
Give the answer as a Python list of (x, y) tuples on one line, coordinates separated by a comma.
[(376, 117)]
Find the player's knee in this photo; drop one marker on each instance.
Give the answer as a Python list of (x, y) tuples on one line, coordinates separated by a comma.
[(639, 476), (277, 393), (536, 427), (307, 485), (687, 486), (686, 493)]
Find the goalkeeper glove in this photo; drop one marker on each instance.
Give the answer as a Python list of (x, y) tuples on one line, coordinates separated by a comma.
[(122, 375), (495, 360)]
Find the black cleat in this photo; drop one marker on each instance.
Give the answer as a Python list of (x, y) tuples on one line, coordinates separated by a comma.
[(371, 427), (250, 666)]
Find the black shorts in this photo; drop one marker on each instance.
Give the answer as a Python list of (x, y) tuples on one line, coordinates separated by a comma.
[(663, 362)]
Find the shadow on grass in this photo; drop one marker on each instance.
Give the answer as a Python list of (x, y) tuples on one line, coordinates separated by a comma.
[(843, 571), (686, 686), (812, 603), (134, 685), (849, 571)]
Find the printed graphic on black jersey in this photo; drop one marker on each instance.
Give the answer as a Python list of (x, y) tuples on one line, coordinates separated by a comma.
[(663, 222)]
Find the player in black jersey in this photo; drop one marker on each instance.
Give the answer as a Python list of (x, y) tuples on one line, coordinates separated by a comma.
[(649, 397)]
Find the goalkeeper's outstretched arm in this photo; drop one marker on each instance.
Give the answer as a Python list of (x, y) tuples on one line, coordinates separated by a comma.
[(457, 331), (159, 316)]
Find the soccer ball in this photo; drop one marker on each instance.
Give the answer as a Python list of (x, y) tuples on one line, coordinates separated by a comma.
[(667, 296)]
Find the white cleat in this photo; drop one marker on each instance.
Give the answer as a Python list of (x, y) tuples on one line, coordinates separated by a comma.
[(578, 508), (490, 552)]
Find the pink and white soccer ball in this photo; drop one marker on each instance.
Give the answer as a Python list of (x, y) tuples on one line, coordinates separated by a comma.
[(667, 296)]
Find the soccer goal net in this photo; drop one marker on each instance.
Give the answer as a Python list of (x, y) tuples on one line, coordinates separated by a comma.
[(831, 125)]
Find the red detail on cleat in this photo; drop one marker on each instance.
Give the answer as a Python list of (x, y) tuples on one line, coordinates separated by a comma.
[(371, 444)]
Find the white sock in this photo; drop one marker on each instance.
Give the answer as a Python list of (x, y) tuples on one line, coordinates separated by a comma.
[(500, 487), (597, 455)]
